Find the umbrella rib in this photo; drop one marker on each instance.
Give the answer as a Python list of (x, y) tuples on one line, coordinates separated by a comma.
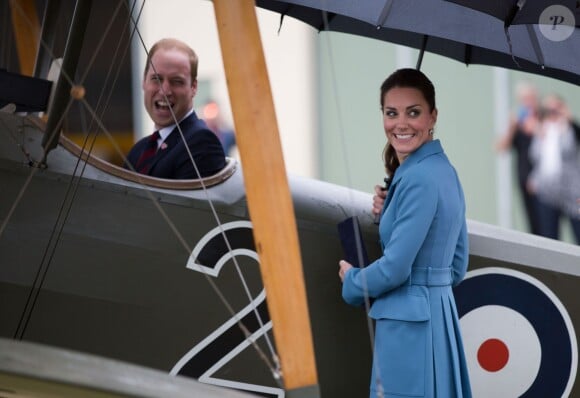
[(512, 14), (384, 13), (327, 18), (507, 23), (467, 54), (509, 42), (282, 15), (281, 21), (536, 45)]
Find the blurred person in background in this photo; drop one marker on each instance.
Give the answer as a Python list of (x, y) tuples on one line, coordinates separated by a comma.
[(518, 137), (213, 117), (555, 177)]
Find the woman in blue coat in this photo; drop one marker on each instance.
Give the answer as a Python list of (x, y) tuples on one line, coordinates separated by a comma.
[(418, 351)]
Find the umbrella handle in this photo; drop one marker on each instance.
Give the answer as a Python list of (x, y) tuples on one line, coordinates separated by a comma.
[(377, 218)]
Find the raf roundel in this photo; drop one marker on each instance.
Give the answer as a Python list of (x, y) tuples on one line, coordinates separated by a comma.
[(519, 340)]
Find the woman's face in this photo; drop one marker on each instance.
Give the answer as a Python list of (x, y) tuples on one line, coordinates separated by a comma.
[(407, 120)]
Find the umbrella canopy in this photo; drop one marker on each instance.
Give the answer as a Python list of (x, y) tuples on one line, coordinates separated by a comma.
[(497, 33), (527, 12)]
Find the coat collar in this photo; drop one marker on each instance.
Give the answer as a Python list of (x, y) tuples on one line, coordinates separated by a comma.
[(174, 137), (165, 131), (427, 149)]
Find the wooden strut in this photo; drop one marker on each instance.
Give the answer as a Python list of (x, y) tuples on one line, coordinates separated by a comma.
[(26, 32), (269, 200)]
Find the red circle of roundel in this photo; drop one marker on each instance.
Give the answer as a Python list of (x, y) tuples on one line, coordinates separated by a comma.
[(493, 355)]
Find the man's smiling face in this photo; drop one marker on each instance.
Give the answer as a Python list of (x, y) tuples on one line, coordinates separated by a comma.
[(167, 87)]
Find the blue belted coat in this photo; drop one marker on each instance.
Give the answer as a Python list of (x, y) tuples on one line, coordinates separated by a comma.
[(418, 350)]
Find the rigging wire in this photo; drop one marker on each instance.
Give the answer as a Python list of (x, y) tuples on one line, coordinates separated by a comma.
[(105, 84), (63, 215), (64, 211), (342, 136), (275, 369)]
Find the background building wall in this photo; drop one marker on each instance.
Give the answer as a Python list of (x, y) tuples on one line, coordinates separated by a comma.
[(326, 94), (464, 124)]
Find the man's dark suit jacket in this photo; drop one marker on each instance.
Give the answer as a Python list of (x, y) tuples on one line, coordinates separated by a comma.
[(172, 160)]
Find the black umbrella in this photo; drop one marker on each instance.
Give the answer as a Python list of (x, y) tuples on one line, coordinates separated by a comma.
[(497, 33)]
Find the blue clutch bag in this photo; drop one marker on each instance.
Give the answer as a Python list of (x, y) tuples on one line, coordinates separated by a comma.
[(352, 242)]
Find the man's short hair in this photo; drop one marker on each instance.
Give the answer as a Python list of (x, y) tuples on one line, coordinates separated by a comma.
[(168, 44)]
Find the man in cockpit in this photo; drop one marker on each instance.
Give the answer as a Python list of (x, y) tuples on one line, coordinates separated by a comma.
[(169, 86)]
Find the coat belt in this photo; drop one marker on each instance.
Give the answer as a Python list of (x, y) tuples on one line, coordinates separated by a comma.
[(429, 276)]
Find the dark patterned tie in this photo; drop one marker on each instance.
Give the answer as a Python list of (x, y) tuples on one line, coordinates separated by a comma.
[(144, 162)]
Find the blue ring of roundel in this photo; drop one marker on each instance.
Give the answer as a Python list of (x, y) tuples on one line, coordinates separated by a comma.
[(539, 310)]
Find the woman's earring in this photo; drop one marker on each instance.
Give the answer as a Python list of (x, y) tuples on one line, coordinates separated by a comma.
[(431, 131)]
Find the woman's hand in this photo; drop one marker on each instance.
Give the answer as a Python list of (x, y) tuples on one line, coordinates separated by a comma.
[(344, 266), (379, 199)]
